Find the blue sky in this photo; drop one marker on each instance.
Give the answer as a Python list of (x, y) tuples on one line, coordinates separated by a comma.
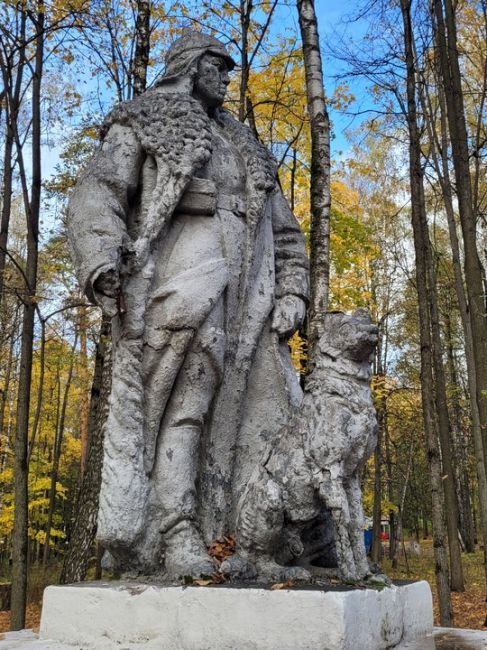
[(334, 26)]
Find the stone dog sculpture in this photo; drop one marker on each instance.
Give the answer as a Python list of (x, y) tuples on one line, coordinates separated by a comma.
[(180, 232), (317, 461)]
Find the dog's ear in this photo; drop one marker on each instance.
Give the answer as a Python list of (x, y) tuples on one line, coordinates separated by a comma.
[(325, 345), (362, 314), (329, 339)]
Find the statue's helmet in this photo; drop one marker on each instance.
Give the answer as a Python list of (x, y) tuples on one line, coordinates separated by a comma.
[(188, 49)]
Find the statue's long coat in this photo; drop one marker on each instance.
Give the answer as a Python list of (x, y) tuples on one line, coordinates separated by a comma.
[(120, 217)]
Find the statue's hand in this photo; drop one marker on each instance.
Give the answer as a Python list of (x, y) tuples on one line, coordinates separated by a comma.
[(288, 315), (108, 283)]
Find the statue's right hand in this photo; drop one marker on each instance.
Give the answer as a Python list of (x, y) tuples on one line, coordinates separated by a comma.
[(108, 283)]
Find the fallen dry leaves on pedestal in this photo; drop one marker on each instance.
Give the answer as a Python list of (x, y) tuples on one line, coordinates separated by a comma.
[(470, 607)]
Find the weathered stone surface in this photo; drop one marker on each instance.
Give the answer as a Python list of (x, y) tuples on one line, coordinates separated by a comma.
[(317, 460), (439, 639), (145, 617), (179, 231)]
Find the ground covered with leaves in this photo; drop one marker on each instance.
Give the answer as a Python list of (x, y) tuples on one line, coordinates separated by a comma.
[(33, 617), (469, 607)]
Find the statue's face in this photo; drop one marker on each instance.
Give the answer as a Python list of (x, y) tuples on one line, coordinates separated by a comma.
[(211, 81)]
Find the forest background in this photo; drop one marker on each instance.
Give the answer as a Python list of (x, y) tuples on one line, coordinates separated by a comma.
[(407, 84)]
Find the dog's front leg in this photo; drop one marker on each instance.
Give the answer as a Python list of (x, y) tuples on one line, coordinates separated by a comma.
[(356, 526), (333, 494)]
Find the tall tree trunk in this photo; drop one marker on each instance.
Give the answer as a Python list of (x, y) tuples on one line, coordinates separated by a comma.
[(376, 550), (247, 57), (56, 455), (470, 302), (442, 409), (7, 202), (5, 391), (451, 78), (399, 536), (294, 168), (84, 381), (381, 406), (440, 147), (460, 446), (443, 418), (245, 106), (246, 7), (84, 528), (40, 392), (421, 239), (142, 46), (390, 485), (32, 209), (320, 172), (83, 533), (12, 92)]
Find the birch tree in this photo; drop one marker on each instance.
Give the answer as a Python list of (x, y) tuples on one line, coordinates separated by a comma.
[(320, 171)]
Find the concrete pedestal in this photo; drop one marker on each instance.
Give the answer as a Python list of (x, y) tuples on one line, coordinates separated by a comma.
[(440, 639), (105, 616)]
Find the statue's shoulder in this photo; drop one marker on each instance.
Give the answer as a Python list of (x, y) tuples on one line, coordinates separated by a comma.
[(163, 122), (157, 108)]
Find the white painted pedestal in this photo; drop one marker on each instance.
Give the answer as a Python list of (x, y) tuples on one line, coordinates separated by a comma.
[(109, 615)]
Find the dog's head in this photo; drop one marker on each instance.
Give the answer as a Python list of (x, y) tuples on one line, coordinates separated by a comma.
[(353, 337)]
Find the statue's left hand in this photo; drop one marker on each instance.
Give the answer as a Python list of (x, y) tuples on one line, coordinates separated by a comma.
[(288, 315)]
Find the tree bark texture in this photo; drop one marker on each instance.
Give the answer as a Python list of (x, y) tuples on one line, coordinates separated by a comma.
[(32, 209), (245, 12), (460, 445), (443, 418), (6, 203), (418, 217), (12, 95), (85, 390), (247, 56), (56, 456), (439, 154), (376, 550), (82, 538), (4, 393), (83, 534), (142, 46), (451, 78), (40, 392), (320, 171), (381, 406)]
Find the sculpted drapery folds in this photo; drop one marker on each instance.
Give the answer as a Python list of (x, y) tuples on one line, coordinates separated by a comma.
[(179, 230)]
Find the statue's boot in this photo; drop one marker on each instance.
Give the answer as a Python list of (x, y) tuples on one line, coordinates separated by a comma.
[(185, 552)]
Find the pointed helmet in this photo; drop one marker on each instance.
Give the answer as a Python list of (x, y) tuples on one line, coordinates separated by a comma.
[(188, 49)]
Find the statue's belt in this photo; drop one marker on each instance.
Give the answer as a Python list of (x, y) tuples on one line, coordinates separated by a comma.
[(232, 202), (202, 199)]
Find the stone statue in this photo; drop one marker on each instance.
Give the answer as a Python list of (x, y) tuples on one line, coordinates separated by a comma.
[(316, 462), (179, 231)]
